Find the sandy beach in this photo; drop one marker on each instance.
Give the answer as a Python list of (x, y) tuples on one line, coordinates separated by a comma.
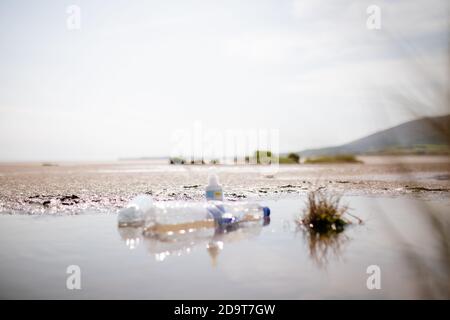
[(225, 150), (57, 216), (101, 187)]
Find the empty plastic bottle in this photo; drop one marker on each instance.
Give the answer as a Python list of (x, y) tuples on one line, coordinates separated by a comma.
[(182, 217), (186, 216), (214, 189), (244, 211), (133, 215), (176, 227), (174, 216)]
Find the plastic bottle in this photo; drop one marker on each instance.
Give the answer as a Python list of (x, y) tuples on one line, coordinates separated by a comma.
[(214, 189), (175, 227), (245, 211), (182, 217), (133, 215)]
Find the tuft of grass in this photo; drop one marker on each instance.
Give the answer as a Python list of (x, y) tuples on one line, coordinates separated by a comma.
[(324, 213), (340, 158), (323, 223)]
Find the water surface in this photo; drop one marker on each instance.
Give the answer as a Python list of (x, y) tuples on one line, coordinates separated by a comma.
[(275, 261)]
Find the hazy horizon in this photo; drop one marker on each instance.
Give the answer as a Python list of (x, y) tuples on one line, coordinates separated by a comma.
[(167, 156), (135, 73)]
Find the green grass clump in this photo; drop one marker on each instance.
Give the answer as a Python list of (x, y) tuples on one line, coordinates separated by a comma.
[(340, 158), (324, 213), (322, 225), (267, 157)]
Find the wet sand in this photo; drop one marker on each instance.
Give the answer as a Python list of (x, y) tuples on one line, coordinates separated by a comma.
[(73, 188)]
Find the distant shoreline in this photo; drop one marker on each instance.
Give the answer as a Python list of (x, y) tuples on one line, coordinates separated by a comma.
[(165, 160)]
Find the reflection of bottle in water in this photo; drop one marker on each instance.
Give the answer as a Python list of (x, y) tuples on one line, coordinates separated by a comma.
[(164, 245), (214, 248), (132, 236)]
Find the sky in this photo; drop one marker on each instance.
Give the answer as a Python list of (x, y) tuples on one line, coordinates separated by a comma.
[(136, 73)]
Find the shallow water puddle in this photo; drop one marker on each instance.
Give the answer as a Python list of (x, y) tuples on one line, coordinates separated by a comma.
[(272, 261)]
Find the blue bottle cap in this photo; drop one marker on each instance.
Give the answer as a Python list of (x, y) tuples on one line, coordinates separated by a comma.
[(266, 211)]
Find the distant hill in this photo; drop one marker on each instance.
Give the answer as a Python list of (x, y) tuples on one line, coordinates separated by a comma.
[(422, 136)]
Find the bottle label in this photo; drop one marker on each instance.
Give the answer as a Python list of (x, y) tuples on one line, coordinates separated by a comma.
[(214, 195)]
